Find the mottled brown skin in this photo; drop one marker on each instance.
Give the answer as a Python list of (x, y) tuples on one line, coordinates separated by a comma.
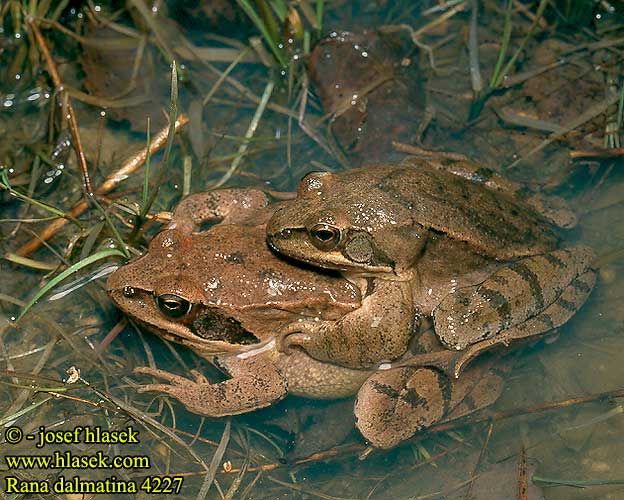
[(410, 225), (238, 294), (394, 404), (226, 272)]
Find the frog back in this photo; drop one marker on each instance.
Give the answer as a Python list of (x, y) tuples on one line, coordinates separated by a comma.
[(492, 222)]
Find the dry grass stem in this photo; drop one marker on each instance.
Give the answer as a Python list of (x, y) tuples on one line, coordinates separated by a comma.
[(71, 116)]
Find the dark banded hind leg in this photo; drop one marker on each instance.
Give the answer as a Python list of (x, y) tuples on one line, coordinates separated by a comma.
[(453, 362), (512, 295), (392, 405), (555, 315)]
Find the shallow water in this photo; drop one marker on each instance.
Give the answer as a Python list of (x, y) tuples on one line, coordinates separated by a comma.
[(580, 442)]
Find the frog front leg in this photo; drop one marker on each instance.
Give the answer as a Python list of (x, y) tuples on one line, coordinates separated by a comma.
[(255, 383), (231, 206), (379, 330)]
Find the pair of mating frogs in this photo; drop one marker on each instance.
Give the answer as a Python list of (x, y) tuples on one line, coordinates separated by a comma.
[(434, 238)]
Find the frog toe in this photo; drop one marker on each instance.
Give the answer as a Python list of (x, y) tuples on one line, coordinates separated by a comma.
[(199, 377), (163, 388), (161, 374)]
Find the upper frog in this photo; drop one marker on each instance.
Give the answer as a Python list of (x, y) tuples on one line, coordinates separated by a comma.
[(378, 219), (441, 236)]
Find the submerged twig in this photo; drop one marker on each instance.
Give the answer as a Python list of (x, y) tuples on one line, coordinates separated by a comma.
[(588, 115), (442, 427), (523, 483)]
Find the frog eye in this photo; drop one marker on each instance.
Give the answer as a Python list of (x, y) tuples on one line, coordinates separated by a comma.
[(324, 236), (173, 305)]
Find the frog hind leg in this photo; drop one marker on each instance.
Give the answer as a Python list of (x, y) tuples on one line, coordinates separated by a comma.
[(253, 385), (379, 330), (554, 316), (479, 386), (392, 405), (511, 296), (453, 362)]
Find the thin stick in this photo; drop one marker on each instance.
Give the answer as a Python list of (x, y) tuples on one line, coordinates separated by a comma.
[(251, 130), (109, 184), (446, 426), (475, 475), (523, 482), (603, 153), (589, 114), (71, 116), (500, 415)]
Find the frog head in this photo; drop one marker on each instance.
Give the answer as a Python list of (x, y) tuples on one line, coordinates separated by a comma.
[(336, 225)]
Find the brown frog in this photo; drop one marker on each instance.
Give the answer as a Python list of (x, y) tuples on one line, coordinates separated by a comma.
[(223, 293), (441, 236)]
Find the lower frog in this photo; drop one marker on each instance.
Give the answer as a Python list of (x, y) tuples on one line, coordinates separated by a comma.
[(439, 236), (224, 294)]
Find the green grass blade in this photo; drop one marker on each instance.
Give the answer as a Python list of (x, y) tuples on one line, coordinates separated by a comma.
[(255, 18), (5, 184), (173, 115), (147, 167), (319, 14), (104, 254), (496, 75)]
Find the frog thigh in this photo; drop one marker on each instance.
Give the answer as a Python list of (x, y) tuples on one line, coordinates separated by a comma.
[(231, 206), (478, 387), (253, 385), (555, 315), (379, 330), (394, 404), (510, 296)]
